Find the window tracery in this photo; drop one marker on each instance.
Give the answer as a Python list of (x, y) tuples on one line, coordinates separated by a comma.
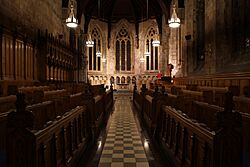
[(152, 59), (94, 59), (123, 51)]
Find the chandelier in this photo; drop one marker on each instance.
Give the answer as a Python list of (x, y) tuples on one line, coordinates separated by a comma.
[(156, 43), (71, 21), (98, 53), (147, 53), (89, 42), (174, 22), (142, 59), (103, 59)]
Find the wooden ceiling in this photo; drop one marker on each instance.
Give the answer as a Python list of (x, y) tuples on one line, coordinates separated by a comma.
[(112, 11)]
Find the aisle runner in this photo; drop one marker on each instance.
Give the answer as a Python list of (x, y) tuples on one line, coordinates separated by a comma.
[(123, 146)]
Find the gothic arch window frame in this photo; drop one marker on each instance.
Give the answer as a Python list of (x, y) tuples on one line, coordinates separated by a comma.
[(123, 50), (95, 62), (151, 61)]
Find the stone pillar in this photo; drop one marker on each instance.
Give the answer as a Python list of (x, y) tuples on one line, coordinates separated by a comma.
[(84, 69)]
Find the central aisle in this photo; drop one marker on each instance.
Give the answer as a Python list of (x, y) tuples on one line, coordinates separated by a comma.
[(123, 146)]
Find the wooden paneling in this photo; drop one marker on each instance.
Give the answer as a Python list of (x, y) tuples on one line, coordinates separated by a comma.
[(218, 80)]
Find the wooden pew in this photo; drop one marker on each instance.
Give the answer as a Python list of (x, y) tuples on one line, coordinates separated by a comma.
[(3, 123), (7, 103), (146, 102), (73, 88), (108, 102), (97, 89), (193, 145), (205, 113), (96, 109), (199, 113), (44, 113), (205, 96), (56, 140), (59, 144), (10, 87), (242, 104), (137, 100), (50, 95)]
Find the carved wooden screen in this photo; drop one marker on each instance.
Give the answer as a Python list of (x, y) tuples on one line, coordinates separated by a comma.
[(17, 57)]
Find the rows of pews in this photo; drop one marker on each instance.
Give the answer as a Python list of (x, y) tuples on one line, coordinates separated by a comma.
[(194, 127), (47, 126)]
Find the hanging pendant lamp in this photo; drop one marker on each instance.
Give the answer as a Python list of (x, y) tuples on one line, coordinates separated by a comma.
[(71, 21), (156, 42), (89, 42), (174, 22), (98, 53)]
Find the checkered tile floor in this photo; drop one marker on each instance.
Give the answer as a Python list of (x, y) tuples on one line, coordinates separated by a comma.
[(123, 146)]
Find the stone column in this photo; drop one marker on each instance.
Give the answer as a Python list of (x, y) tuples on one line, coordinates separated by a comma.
[(84, 66)]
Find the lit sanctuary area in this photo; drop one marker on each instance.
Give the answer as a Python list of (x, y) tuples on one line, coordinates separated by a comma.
[(124, 83)]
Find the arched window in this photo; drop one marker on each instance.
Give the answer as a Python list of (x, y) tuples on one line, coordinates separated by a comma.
[(123, 79), (123, 51), (94, 59), (117, 80), (128, 79), (152, 58), (112, 80)]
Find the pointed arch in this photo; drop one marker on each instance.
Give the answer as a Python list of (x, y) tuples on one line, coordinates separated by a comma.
[(152, 58), (94, 60), (123, 50)]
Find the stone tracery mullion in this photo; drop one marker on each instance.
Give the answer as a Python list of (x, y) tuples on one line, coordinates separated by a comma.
[(152, 61), (122, 52)]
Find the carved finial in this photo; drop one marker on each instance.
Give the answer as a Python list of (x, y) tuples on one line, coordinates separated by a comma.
[(156, 89), (163, 90), (156, 93), (228, 103), (21, 118), (20, 102), (111, 87), (135, 87), (143, 88)]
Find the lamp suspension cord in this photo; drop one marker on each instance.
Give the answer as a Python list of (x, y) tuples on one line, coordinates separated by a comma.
[(98, 8), (147, 9)]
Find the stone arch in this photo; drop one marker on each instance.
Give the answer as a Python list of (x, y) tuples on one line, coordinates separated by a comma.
[(123, 79), (112, 80), (128, 79), (133, 79), (117, 80), (91, 80)]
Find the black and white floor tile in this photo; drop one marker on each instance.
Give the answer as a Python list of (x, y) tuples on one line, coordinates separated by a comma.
[(123, 146)]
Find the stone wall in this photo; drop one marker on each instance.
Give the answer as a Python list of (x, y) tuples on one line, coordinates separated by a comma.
[(137, 67), (30, 15), (227, 34)]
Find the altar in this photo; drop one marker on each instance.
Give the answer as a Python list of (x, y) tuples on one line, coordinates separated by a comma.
[(122, 86)]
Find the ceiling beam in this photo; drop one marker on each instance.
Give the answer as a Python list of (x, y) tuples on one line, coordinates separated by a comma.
[(165, 7)]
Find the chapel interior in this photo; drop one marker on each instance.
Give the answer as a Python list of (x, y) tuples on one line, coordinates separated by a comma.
[(124, 83)]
